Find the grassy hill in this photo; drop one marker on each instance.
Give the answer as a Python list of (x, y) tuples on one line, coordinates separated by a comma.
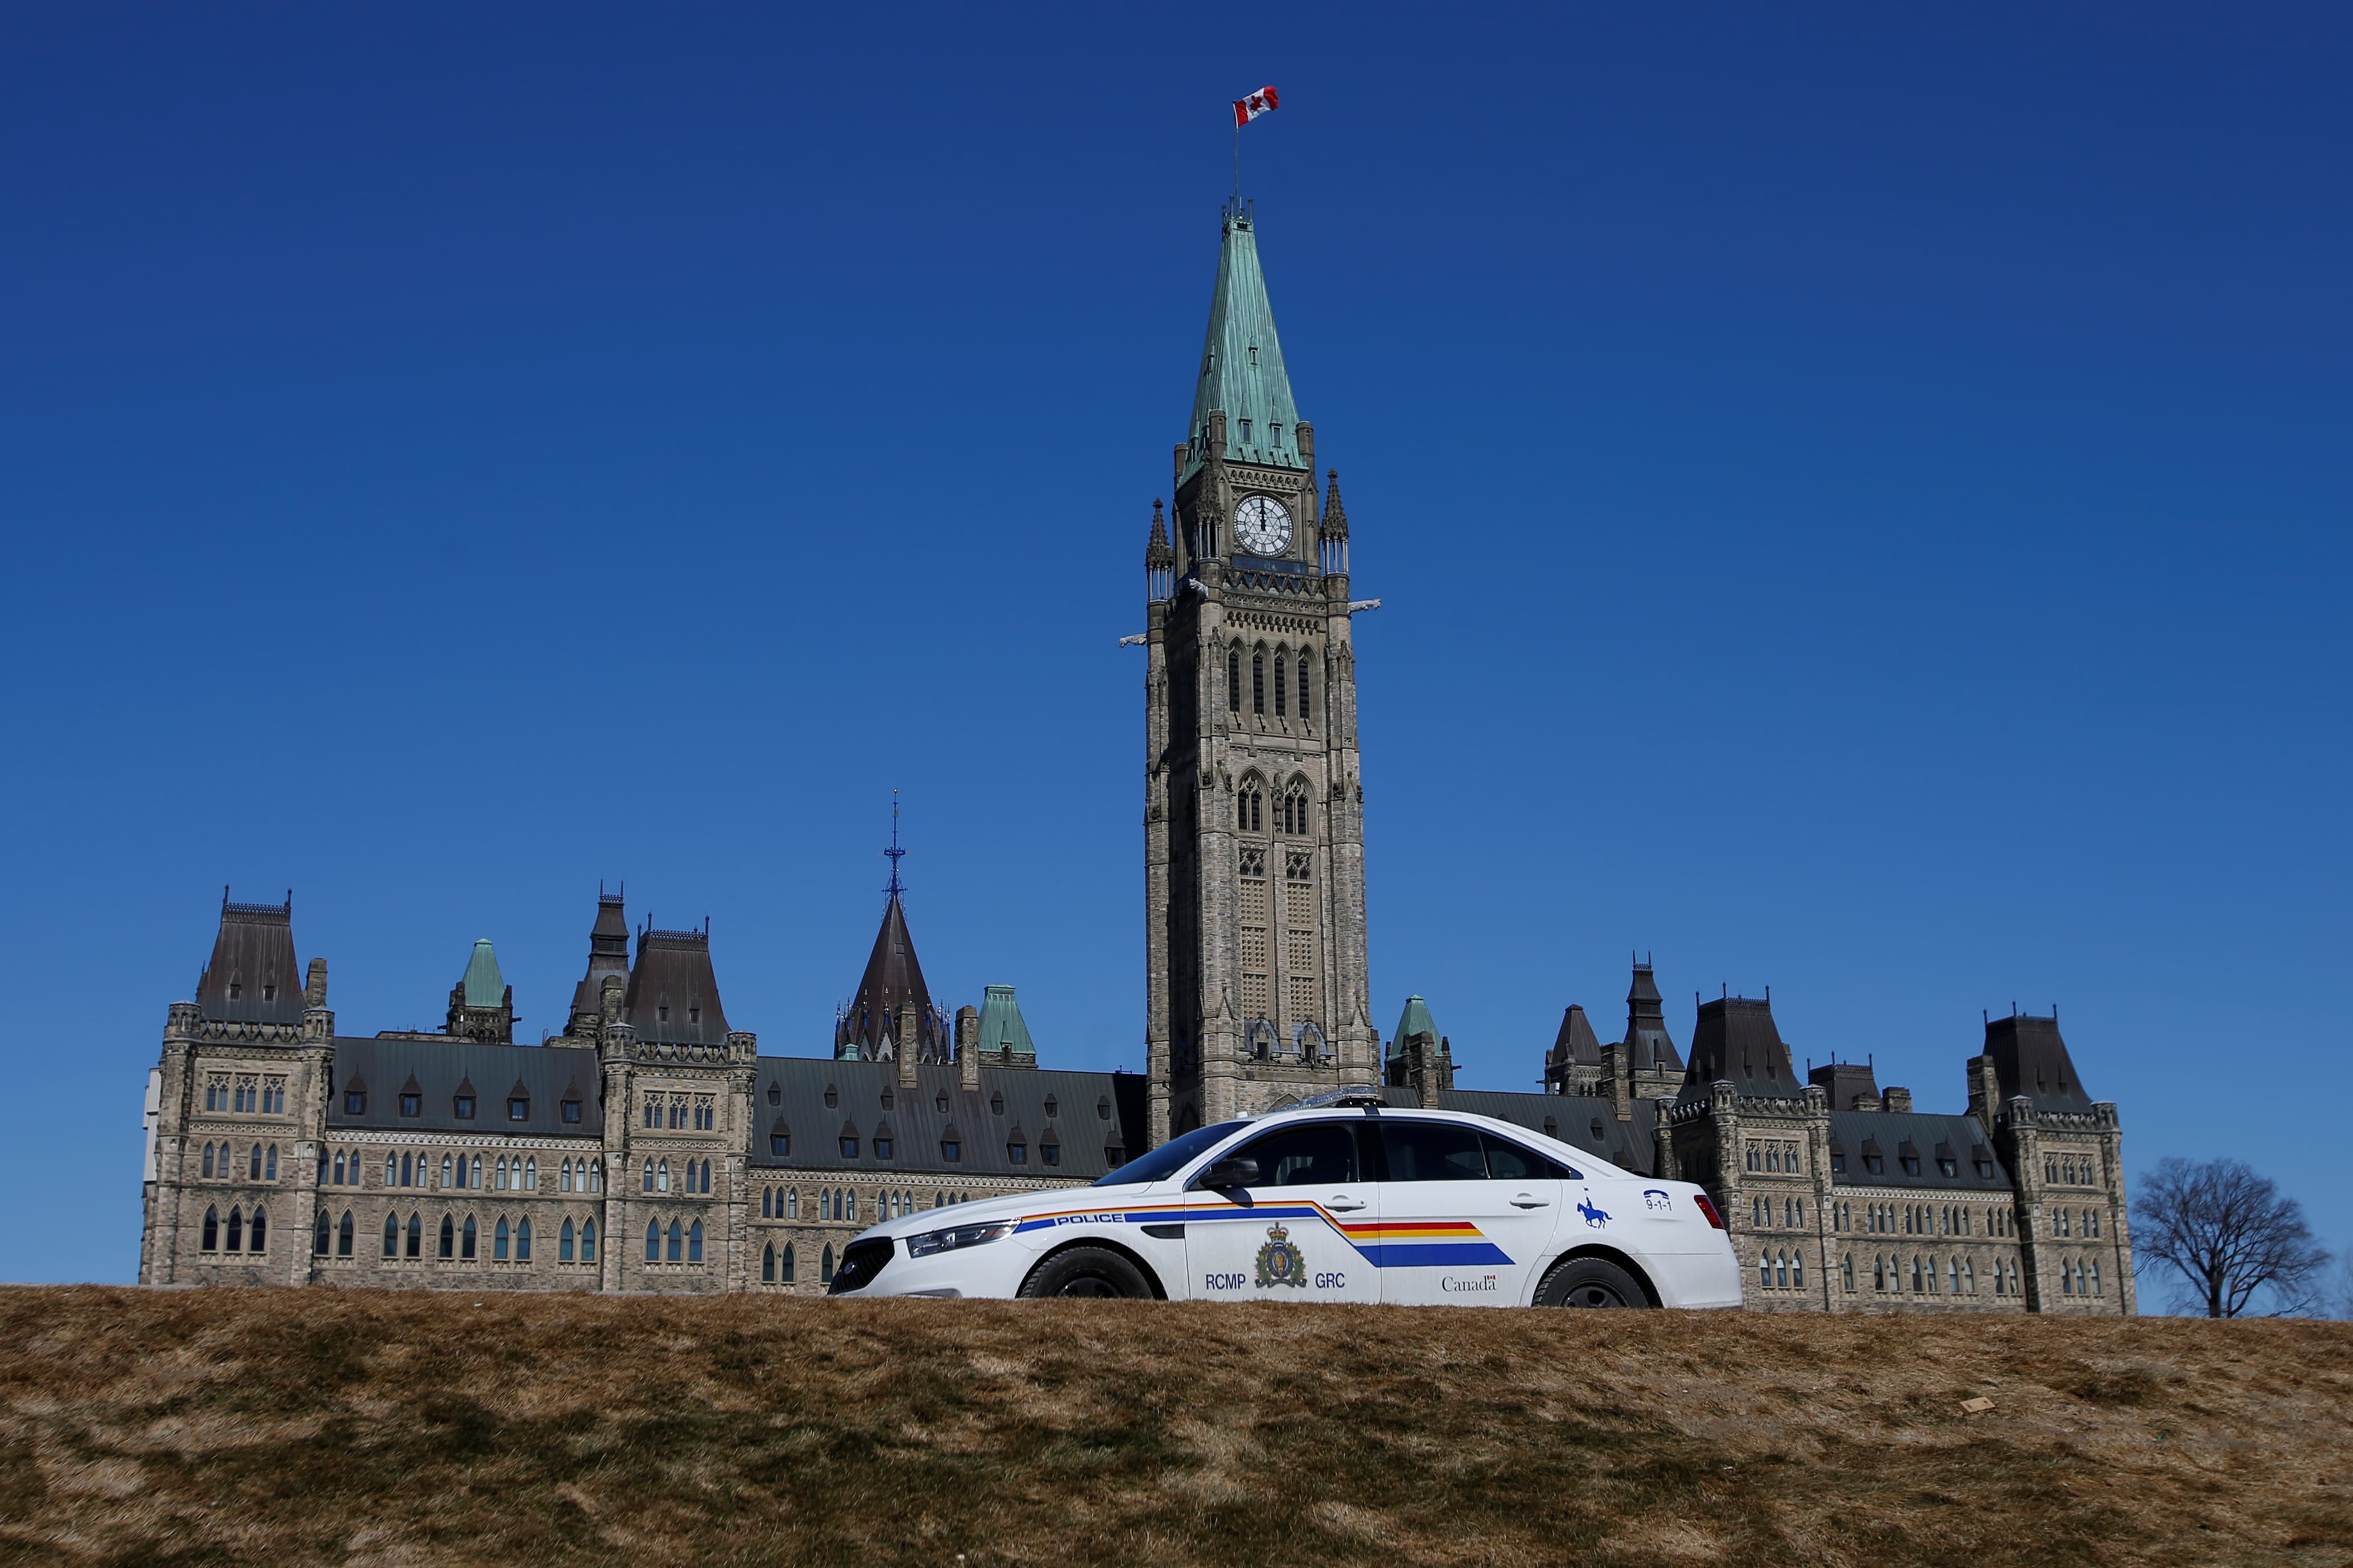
[(333, 1427)]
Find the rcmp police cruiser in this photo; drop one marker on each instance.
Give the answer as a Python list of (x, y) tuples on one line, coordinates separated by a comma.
[(1335, 1199)]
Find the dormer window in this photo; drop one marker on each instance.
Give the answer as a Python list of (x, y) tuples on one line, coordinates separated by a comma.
[(356, 1102), (270, 991), (1051, 1108), (1274, 432), (886, 1097), (832, 1096), (412, 1105), (518, 1109), (775, 1095), (694, 1014), (1948, 1167), (462, 1106), (662, 1012), (996, 1105), (235, 991), (1245, 425), (572, 1111)]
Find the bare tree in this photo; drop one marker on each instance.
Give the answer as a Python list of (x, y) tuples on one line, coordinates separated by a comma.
[(2227, 1232)]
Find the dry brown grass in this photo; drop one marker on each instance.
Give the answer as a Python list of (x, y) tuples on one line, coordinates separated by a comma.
[(333, 1427)]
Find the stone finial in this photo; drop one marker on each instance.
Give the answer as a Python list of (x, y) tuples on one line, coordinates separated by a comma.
[(314, 984), (910, 1042)]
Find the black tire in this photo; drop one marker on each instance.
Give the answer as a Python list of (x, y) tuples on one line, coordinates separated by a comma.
[(1087, 1271), (1590, 1282)]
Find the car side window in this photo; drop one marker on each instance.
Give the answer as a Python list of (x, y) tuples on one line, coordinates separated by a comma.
[(1318, 1153), (1432, 1152), (1507, 1161)]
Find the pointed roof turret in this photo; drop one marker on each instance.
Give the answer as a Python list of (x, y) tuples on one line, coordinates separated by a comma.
[(483, 985), (1335, 516), (1576, 1042), (892, 977), (609, 954), (2031, 1059), (1648, 1047), (1414, 1020), (1241, 365), (1156, 553), (1734, 1040)]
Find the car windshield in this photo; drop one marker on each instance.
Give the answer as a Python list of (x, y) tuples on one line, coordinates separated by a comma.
[(1170, 1156)]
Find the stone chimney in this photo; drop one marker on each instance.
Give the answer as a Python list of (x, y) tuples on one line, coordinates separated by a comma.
[(1897, 1100), (967, 1047)]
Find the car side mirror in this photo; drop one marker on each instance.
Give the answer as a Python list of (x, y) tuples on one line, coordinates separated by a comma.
[(1239, 1171)]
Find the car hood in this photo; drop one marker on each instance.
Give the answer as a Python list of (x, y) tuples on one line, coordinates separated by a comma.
[(1012, 1206)]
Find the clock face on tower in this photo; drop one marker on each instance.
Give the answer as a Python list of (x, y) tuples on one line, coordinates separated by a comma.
[(1261, 526)]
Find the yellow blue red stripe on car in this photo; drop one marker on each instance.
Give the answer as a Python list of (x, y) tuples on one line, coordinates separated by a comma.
[(1385, 1244)]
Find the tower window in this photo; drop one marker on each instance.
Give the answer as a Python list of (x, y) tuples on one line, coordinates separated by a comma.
[(1258, 683), (1234, 682), (1303, 687), (1281, 691), (1246, 423)]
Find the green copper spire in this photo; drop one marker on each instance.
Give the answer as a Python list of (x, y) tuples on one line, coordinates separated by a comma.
[(1414, 1020), (1242, 366), (484, 987)]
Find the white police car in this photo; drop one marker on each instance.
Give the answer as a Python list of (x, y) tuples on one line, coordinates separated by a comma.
[(1336, 1200)]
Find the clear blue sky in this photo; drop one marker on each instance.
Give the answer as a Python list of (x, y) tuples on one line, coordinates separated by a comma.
[(1861, 496)]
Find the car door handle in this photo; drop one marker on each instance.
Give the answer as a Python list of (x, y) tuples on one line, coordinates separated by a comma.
[(1344, 1205), (1530, 1201)]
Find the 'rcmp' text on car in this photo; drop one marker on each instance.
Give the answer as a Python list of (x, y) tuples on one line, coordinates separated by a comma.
[(1336, 1200)]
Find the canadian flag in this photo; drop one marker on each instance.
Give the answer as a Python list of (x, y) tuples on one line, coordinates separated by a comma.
[(1248, 109)]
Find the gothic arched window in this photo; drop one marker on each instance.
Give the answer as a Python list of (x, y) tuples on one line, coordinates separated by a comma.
[(588, 1241), (523, 1239), (787, 1266), (448, 1236), (498, 1239), (208, 1159), (1303, 713), (563, 1243), (653, 1241), (212, 1230), (416, 1234), (768, 1264), (1234, 680), (343, 1235), (1281, 686), (694, 1242), (674, 1242), (392, 1236), (1258, 683), (825, 1267)]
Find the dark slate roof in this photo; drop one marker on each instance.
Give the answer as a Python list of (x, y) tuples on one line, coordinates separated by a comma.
[(609, 954), (253, 956), (2030, 1058), (1734, 1039), (1575, 1041), (673, 995), (892, 977), (1844, 1082), (1897, 1134), (1648, 1047), (917, 1124), (1570, 1117), (438, 1068)]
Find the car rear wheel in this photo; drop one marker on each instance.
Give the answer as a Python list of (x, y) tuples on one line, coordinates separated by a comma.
[(1590, 1282), (1087, 1271)]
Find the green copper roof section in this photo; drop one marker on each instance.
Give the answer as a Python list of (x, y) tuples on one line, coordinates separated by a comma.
[(484, 987), (1001, 1027), (1414, 1020), (1241, 365)]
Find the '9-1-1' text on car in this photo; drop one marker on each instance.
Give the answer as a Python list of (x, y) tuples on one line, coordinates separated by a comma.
[(1336, 1200)]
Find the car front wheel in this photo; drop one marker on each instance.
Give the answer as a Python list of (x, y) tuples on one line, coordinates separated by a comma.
[(1590, 1282), (1087, 1271)]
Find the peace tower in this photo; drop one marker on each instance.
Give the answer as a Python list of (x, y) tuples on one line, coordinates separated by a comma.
[(1254, 856)]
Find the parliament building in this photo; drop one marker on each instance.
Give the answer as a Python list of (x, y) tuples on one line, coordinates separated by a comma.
[(651, 1145)]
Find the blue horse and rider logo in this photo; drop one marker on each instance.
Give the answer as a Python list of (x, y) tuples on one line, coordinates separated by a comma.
[(1594, 1217)]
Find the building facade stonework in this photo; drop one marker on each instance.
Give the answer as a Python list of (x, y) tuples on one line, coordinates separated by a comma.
[(650, 1146)]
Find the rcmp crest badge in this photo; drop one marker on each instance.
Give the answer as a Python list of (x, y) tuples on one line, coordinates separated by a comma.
[(1279, 1262)]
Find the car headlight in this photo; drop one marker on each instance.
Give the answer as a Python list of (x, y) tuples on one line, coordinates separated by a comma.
[(948, 1240)]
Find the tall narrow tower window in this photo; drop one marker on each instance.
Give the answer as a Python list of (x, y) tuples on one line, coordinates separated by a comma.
[(1258, 683), (1281, 688), (1303, 687), (1234, 682)]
